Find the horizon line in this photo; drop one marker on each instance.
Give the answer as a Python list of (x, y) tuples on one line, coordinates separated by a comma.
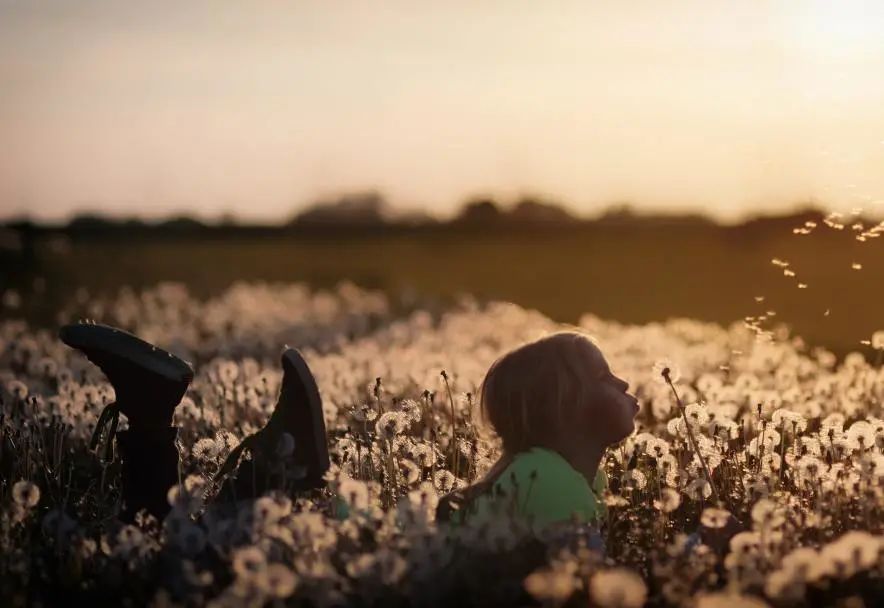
[(398, 213)]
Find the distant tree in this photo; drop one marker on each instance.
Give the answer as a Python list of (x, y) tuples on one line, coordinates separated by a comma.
[(533, 211), (362, 208), (787, 220), (21, 222), (181, 224), (91, 222), (479, 211), (414, 217), (96, 222), (228, 219), (618, 213)]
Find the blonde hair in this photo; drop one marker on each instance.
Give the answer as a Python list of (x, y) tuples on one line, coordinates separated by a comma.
[(528, 393)]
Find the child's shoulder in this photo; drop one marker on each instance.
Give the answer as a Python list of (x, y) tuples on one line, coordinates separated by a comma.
[(553, 468), (550, 489), (544, 466)]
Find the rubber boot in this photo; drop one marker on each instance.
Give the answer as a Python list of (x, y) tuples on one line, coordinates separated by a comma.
[(149, 469), (148, 383), (291, 451)]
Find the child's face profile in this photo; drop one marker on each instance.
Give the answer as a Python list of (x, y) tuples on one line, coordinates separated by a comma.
[(611, 409)]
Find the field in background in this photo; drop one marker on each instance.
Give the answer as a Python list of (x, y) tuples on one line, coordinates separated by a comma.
[(781, 450), (633, 273)]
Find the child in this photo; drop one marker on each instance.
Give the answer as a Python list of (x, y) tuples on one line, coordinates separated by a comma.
[(557, 407)]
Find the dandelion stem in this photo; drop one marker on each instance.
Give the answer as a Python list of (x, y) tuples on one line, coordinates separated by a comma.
[(377, 395), (453, 458), (690, 431)]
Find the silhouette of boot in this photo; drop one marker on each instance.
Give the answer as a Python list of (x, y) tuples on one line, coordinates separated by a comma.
[(150, 468), (149, 383), (291, 450)]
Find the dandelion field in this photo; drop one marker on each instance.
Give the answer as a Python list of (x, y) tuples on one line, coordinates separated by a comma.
[(793, 440)]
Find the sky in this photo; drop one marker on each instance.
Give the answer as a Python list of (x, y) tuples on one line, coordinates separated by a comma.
[(258, 109)]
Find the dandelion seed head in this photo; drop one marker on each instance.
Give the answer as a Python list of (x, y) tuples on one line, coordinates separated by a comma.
[(551, 585), (618, 587), (728, 600), (278, 581), (669, 500), (25, 494), (715, 518), (666, 368), (18, 389), (354, 493), (248, 561)]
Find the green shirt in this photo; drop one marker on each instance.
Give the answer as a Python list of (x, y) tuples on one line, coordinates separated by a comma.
[(556, 492)]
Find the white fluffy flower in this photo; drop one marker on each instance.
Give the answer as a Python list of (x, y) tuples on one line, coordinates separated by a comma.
[(618, 588), (666, 367), (26, 494)]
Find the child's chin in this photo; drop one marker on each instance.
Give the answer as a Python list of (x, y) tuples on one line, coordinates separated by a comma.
[(626, 432), (630, 428)]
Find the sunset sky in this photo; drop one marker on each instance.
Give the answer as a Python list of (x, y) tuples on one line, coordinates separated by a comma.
[(261, 108)]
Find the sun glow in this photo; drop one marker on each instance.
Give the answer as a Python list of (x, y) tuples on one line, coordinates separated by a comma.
[(843, 30)]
